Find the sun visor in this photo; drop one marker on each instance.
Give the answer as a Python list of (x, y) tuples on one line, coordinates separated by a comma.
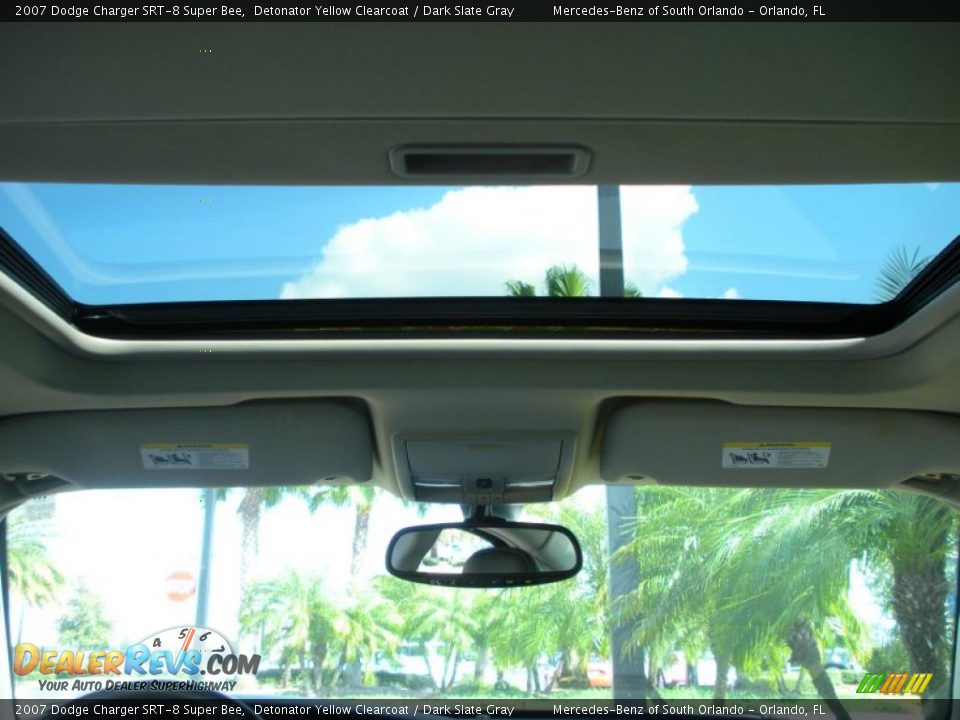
[(717, 444), (262, 443)]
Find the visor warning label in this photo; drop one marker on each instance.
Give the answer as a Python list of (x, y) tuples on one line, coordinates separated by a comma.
[(775, 455), (195, 456)]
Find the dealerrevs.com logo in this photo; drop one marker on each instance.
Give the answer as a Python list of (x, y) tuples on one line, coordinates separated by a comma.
[(164, 660)]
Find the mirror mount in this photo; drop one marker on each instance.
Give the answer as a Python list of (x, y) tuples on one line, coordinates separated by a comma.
[(480, 513)]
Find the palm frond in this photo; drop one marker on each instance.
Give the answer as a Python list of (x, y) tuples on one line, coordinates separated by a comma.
[(900, 268), (519, 288), (567, 281)]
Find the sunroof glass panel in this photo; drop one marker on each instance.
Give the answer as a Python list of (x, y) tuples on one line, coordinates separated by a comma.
[(120, 244)]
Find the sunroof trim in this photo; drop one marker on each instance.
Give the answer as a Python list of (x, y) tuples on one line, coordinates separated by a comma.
[(28, 273), (485, 317), (937, 275), (532, 317)]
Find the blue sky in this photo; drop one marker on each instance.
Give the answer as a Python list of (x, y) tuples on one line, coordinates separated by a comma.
[(116, 244)]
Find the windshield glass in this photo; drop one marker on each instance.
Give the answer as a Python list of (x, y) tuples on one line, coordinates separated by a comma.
[(710, 593), (118, 244)]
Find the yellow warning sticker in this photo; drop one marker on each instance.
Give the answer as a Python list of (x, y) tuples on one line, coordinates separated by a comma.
[(776, 455)]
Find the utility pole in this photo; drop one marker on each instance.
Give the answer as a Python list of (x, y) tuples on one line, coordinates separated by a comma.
[(611, 241), (629, 677), (209, 500)]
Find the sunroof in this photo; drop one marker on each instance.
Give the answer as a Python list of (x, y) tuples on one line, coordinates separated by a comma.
[(130, 244)]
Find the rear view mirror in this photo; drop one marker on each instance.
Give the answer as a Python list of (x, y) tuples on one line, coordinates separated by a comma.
[(484, 553)]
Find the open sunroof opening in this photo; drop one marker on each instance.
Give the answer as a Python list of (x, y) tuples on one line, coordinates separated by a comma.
[(116, 245)]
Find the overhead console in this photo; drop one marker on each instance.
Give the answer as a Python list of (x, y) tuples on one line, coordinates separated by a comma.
[(679, 442), (483, 470), (257, 443)]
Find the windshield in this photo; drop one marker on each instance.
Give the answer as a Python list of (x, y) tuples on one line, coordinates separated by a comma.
[(119, 244), (710, 593)]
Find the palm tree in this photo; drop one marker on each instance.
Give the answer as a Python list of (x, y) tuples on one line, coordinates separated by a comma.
[(672, 563), (419, 614), (84, 625), (801, 544), (483, 610), (33, 576), (361, 499), (292, 616), (914, 533), (900, 268), (532, 631), (581, 606), (701, 553), (365, 625), (567, 281), (564, 281), (629, 674), (254, 501), (911, 537), (518, 288), (631, 290), (450, 617)]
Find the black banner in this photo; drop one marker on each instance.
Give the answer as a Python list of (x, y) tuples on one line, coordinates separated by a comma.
[(201, 704), (496, 11)]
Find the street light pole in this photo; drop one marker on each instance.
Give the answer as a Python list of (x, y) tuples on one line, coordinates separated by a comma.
[(629, 677), (209, 500)]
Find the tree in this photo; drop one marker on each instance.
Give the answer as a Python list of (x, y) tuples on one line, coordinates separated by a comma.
[(898, 270), (518, 288), (630, 680), (254, 501), (84, 626), (33, 576), (293, 616), (257, 499), (532, 630), (908, 538), (450, 617), (801, 543), (418, 624), (702, 552), (567, 281), (581, 606), (365, 625), (564, 281), (361, 499), (913, 533), (673, 562)]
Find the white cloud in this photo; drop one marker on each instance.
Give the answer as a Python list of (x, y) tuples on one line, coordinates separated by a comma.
[(666, 291), (475, 239)]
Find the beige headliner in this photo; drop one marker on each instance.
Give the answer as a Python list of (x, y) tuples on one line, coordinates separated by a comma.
[(479, 386), (324, 102), (314, 102)]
